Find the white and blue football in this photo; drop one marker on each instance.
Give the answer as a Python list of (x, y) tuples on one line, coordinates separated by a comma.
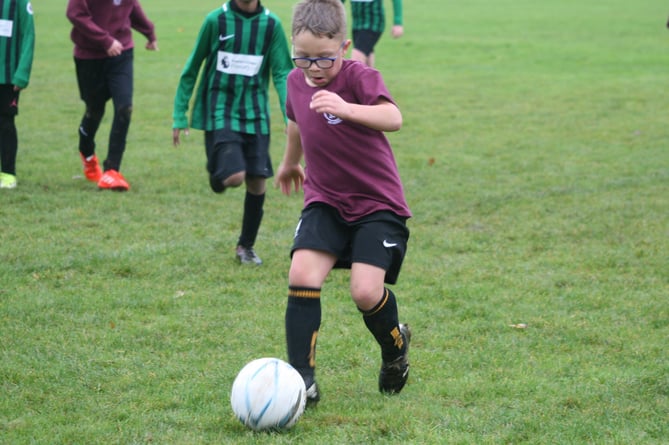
[(268, 394)]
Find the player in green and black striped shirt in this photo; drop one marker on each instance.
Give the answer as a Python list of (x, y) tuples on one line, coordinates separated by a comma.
[(240, 45), (368, 23), (17, 43)]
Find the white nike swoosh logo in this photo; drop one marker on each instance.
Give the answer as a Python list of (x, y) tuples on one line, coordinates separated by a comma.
[(387, 244), (223, 38)]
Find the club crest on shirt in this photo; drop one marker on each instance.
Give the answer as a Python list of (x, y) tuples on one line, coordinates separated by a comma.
[(117, 2), (332, 119)]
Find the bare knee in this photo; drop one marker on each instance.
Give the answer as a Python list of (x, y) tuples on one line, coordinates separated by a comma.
[(300, 274), (366, 295), (309, 268), (367, 283), (235, 180)]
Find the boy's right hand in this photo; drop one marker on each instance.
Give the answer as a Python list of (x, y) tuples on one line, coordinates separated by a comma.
[(115, 49), (287, 176)]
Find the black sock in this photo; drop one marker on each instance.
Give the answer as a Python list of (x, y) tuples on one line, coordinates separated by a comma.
[(253, 212), (303, 319), (383, 322)]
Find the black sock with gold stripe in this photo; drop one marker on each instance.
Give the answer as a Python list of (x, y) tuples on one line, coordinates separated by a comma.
[(303, 319), (383, 322)]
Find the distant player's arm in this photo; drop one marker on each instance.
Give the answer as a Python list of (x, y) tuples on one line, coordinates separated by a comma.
[(189, 78), (140, 22), (281, 65), (398, 27)]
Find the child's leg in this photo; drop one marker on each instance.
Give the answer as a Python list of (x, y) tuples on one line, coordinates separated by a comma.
[(303, 320), (254, 201), (379, 308), (94, 93), (225, 159), (88, 128), (381, 318), (308, 271), (258, 168), (383, 322), (120, 78)]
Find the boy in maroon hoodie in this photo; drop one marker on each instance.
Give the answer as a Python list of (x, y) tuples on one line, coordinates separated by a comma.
[(103, 58)]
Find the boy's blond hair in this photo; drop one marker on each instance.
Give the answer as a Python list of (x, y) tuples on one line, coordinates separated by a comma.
[(322, 18)]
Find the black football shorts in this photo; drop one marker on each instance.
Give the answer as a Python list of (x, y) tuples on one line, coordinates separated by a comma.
[(379, 239), (9, 100), (229, 152), (365, 40), (102, 79)]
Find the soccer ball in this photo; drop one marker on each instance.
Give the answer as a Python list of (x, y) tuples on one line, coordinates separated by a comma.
[(268, 394)]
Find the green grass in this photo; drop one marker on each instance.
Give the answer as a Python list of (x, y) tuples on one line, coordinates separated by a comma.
[(534, 156)]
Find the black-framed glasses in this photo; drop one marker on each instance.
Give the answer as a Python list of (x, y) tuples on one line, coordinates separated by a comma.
[(323, 63)]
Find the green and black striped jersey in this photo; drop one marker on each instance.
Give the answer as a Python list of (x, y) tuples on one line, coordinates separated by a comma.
[(371, 15), (236, 53), (17, 42)]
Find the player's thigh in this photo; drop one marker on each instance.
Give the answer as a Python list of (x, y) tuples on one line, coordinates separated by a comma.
[(119, 78), (364, 40), (257, 156), (381, 240), (320, 239), (224, 153), (93, 88)]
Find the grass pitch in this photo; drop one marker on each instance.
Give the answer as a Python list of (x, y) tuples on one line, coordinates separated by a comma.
[(534, 156)]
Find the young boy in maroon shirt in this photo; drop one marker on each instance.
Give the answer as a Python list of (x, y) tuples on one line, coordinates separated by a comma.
[(355, 211)]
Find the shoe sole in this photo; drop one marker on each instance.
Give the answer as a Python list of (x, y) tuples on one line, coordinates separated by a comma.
[(114, 189)]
